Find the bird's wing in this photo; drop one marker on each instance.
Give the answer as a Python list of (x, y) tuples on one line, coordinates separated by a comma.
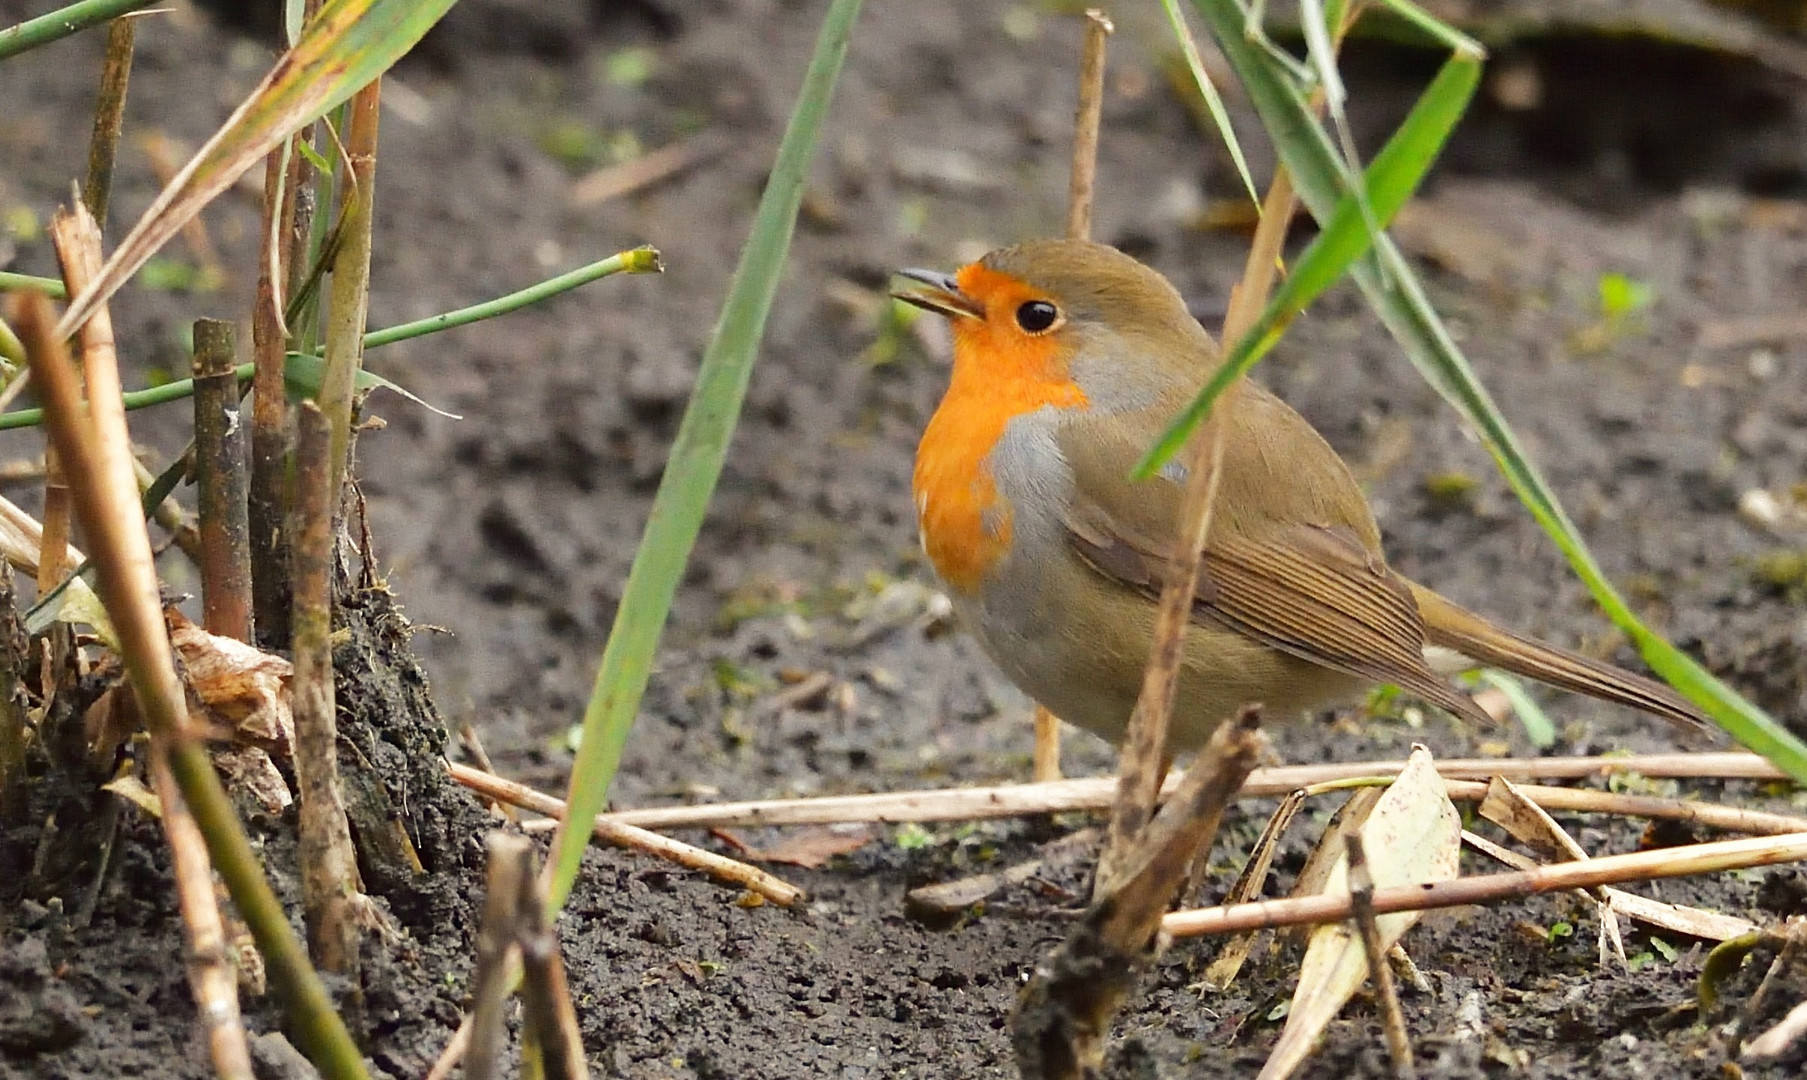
[(1311, 590)]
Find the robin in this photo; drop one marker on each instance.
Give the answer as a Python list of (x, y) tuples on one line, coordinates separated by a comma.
[(1070, 358)]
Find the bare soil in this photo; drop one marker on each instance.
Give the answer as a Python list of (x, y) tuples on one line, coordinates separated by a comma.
[(506, 536)]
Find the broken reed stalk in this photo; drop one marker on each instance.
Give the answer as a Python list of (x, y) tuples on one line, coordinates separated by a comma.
[(211, 975), (1086, 123), (498, 950), (351, 279), (1604, 870), (96, 453), (219, 466), (329, 868), (1145, 744), (1047, 746), (1361, 899), (755, 880), (551, 1020), (109, 117), (1464, 777), (1063, 1017), (267, 499)]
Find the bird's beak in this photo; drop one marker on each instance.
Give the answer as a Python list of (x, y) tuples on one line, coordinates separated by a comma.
[(942, 296)]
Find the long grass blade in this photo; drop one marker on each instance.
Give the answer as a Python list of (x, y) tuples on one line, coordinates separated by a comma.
[(1391, 180), (55, 25), (1394, 291), (345, 46), (697, 455)]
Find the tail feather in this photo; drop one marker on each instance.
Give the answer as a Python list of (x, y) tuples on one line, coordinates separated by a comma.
[(1453, 627)]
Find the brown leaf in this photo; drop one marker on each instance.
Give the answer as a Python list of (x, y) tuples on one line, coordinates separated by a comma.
[(808, 848), (244, 688)]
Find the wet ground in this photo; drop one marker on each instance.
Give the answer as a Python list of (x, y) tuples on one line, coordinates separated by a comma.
[(506, 536)]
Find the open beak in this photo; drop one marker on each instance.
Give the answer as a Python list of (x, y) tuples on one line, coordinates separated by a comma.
[(942, 296)]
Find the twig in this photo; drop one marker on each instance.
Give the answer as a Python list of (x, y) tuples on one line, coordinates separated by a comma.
[(628, 836), (455, 1049), (266, 500), (952, 897), (109, 116), (220, 478), (1047, 746), (96, 452), (1235, 952), (1776, 1041), (1695, 922), (467, 737), (1753, 329), (498, 951), (615, 181), (329, 869), (210, 974), (1085, 125), (1096, 793), (551, 1018), (1605, 870), (1064, 1014), (1361, 900)]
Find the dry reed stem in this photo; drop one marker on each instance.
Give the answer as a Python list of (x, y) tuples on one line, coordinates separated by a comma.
[(165, 159), (350, 280), (220, 477), (1063, 1016), (210, 972), (109, 117), (628, 836), (13, 801), (545, 995), (266, 501), (329, 870), (498, 952), (1361, 900), (1604, 870), (1086, 122), (1465, 778)]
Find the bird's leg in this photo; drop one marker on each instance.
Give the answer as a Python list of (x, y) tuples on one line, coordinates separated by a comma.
[(1047, 746)]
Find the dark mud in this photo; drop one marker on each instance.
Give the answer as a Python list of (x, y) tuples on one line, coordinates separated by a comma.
[(513, 528)]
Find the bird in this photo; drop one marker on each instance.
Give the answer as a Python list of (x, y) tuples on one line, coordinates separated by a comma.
[(1069, 359)]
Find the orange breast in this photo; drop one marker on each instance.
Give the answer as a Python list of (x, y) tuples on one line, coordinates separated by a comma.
[(965, 522)]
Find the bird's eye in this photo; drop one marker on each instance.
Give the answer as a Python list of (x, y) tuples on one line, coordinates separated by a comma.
[(1035, 316)]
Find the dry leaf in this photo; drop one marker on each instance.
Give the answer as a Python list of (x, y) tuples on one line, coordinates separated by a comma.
[(132, 790), (1529, 823), (242, 687), (1413, 835), (248, 768)]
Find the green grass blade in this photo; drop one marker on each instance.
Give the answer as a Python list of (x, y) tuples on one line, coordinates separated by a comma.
[(1396, 295), (1392, 178), (62, 22), (1220, 116), (696, 458), (345, 46)]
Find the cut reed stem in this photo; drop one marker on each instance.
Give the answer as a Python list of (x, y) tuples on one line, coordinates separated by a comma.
[(221, 481)]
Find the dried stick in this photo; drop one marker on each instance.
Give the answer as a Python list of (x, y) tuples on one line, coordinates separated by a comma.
[(267, 500), (1361, 899), (498, 951), (1085, 125), (329, 869), (551, 1018), (109, 117), (1063, 1016), (1605, 870), (210, 973), (1465, 778), (96, 452), (220, 478), (628, 836)]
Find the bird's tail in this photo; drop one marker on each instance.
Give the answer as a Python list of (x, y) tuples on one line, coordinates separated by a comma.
[(1456, 628)]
